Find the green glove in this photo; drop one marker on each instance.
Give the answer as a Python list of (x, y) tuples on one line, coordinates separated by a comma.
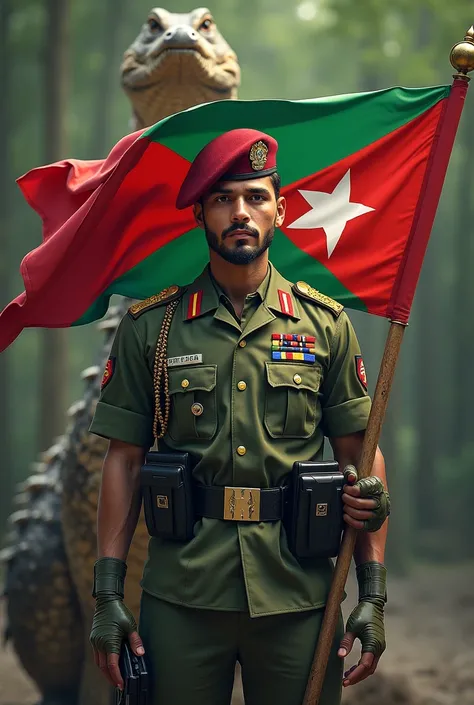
[(372, 488), (112, 620), (366, 620)]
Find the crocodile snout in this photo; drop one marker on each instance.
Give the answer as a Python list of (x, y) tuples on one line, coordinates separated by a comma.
[(180, 37)]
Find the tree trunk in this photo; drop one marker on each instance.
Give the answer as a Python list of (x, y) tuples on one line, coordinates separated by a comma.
[(461, 432), (6, 479), (426, 396), (109, 78), (399, 555), (54, 363)]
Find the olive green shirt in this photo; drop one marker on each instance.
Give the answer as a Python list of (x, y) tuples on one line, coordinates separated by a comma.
[(258, 417)]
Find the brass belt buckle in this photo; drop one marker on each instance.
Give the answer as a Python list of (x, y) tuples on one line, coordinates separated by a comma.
[(242, 503)]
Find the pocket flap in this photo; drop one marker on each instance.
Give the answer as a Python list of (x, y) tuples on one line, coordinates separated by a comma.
[(298, 376), (190, 379)]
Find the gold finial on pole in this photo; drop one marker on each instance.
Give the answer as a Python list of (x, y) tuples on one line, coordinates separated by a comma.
[(462, 56)]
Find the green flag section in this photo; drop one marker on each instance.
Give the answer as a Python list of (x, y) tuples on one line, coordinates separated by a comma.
[(353, 168)]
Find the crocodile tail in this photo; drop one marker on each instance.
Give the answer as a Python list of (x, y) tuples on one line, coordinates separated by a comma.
[(43, 618), (45, 585)]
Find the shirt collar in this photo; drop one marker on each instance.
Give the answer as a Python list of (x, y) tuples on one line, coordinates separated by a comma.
[(204, 294), (260, 291)]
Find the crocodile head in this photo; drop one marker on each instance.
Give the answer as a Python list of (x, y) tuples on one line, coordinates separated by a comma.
[(177, 61)]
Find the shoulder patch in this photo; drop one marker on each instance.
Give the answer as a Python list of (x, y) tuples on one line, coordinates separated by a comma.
[(307, 292), (164, 297), (108, 372)]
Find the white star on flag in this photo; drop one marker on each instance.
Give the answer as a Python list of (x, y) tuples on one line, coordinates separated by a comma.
[(331, 211)]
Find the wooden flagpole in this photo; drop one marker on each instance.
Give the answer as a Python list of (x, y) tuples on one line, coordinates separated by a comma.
[(372, 434), (462, 59)]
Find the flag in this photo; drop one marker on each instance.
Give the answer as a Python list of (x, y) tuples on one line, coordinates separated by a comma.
[(355, 171)]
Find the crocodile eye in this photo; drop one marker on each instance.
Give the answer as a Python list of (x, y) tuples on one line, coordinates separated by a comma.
[(154, 25), (206, 25)]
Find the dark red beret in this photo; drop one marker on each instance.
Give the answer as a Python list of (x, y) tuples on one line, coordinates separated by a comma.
[(235, 155)]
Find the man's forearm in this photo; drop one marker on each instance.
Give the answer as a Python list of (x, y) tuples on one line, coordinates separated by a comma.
[(371, 546), (119, 501)]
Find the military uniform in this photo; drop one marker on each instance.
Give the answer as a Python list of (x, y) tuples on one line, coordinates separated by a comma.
[(245, 417), (247, 396)]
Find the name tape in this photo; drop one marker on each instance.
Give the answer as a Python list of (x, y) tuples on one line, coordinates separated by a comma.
[(184, 360)]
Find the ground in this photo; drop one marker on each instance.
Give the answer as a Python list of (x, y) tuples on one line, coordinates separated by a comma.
[(430, 646)]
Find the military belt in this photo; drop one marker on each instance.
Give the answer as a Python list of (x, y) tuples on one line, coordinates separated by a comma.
[(241, 503)]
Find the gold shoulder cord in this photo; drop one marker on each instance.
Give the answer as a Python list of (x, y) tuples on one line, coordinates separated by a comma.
[(161, 376)]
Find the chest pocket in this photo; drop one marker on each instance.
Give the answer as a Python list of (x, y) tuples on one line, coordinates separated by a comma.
[(291, 402), (193, 414)]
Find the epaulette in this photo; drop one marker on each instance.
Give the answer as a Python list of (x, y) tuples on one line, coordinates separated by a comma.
[(164, 297), (307, 292)]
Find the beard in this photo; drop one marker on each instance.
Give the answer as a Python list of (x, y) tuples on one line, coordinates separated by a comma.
[(242, 253)]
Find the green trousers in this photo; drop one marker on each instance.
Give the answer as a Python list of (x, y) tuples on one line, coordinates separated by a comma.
[(192, 653)]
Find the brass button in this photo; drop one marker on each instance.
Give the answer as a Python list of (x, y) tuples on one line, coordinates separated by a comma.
[(241, 385), (185, 383), (297, 379), (197, 409), (242, 343), (241, 450)]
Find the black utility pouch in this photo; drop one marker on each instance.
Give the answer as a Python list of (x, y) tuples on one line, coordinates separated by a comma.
[(166, 483), (315, 524), (135, 678)]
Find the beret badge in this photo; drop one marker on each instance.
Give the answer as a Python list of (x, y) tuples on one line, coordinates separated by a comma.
[(258, 155)]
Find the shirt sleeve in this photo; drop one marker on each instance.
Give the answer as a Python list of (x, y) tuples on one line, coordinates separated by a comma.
[(345, 401), (126, 406)]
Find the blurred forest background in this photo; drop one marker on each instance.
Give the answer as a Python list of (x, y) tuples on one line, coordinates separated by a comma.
[(62, 97)]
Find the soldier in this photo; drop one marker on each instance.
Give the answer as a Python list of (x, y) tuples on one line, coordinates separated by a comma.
[(247, 373)]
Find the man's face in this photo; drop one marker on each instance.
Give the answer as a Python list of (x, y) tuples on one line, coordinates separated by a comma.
[(239, 218)]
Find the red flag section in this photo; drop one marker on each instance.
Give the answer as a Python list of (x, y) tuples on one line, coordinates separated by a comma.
[(85, 248), (62, 194), (378, 188), (58, 191)]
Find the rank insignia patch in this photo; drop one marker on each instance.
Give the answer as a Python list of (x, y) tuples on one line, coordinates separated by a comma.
[(360, 369), (194, 304), (286, 303), (108, 372), (289, 346)]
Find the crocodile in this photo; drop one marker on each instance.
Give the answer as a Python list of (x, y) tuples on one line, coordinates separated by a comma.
[(177, 60)]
